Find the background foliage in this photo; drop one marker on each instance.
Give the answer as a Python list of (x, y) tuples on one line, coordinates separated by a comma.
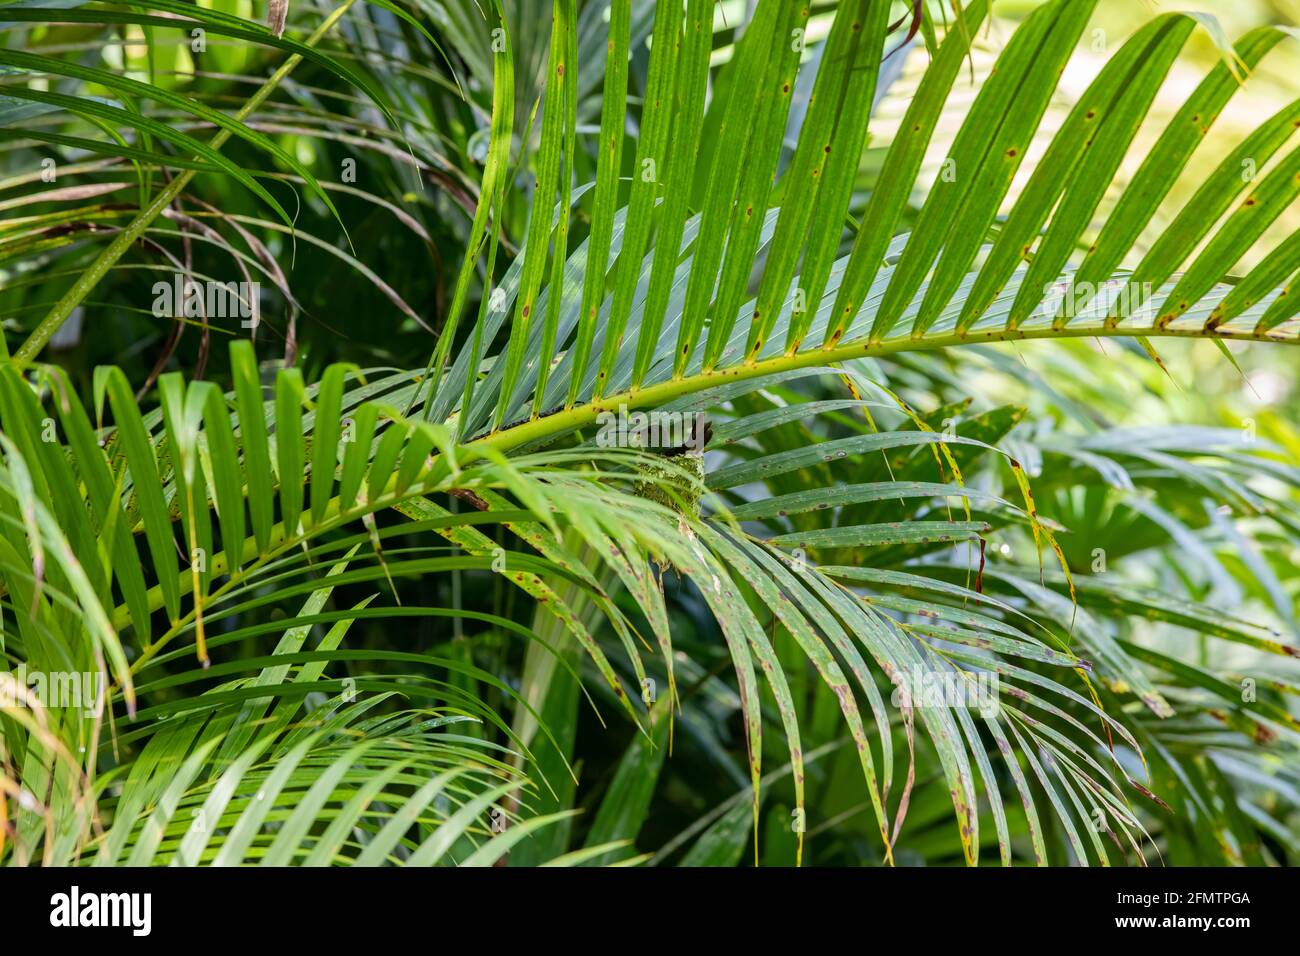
[(429, 603)]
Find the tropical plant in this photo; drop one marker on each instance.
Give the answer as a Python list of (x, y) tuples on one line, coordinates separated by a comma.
[(301, 597)]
